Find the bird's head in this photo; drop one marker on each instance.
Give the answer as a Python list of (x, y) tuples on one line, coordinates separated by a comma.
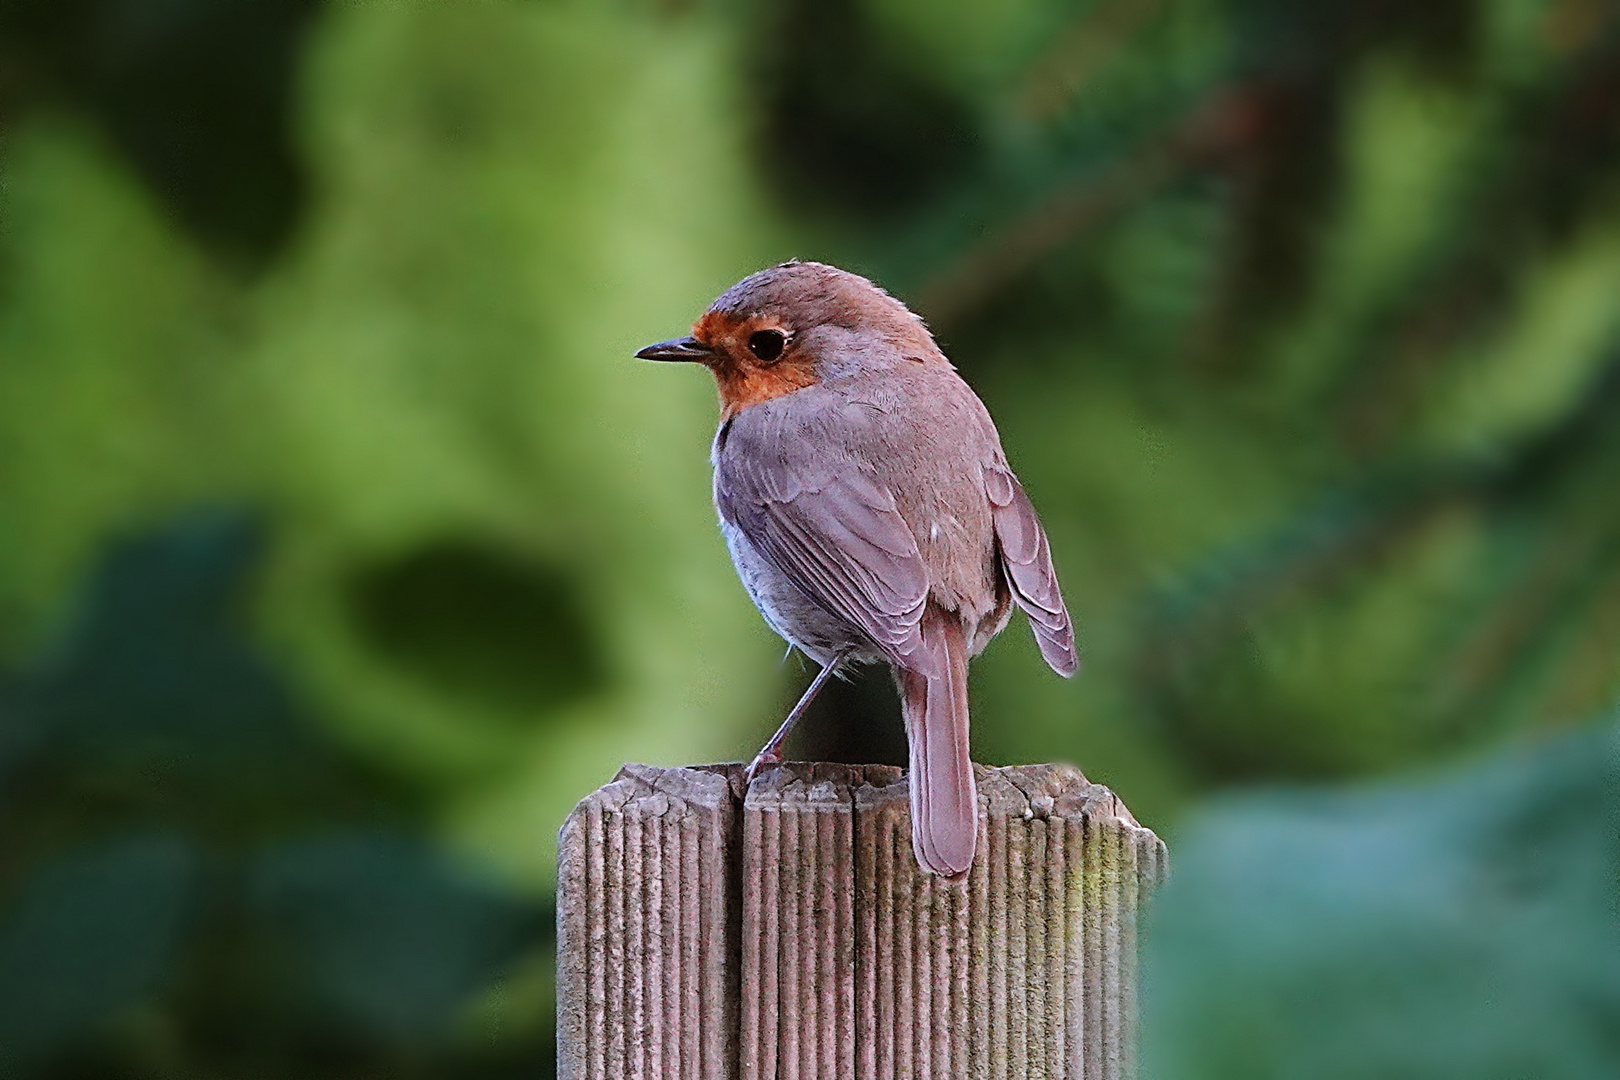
[(795, 325)]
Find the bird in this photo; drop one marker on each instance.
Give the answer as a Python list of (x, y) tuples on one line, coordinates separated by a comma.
[(870, 511)]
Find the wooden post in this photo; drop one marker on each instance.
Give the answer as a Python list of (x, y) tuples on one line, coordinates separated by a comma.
[(785, 931)]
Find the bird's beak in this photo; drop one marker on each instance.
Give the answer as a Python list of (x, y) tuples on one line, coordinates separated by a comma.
[(684, 348)]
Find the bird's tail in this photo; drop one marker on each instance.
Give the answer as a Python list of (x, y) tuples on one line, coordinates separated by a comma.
[(934, 702)]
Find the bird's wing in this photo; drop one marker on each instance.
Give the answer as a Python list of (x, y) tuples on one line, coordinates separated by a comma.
[(829, 527), (1027, 561)]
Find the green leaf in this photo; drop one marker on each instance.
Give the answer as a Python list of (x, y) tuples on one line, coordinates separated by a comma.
[(1461, 927), (395, 937), (93, 930)]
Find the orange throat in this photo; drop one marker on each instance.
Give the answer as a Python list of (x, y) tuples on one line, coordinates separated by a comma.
[(741, 387)]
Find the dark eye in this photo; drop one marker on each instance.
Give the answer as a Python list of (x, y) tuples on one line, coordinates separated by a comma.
[(767, 345)]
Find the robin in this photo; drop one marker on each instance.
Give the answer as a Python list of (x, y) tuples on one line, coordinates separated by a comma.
[(871, 513)]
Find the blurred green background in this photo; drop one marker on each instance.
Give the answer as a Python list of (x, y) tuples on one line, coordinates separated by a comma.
[(343, 546)]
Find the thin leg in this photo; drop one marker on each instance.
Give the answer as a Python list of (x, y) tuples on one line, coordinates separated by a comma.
[(769, 753)]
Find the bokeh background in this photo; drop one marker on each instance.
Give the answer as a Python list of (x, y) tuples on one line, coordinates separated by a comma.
[(343, 546)]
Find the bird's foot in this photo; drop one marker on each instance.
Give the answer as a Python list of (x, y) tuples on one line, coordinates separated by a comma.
[(770, 755)]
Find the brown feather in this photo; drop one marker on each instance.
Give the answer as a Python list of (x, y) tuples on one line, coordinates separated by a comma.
[(871, 513)]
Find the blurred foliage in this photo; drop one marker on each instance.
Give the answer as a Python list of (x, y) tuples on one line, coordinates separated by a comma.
[(194, 95), (1298, 321), (1461, 926), (204, 882)]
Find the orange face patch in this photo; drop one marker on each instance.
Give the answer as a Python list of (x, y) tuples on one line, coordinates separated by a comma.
[(743, 378), (740, 389)]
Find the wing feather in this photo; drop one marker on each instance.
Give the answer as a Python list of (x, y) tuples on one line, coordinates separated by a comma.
[(1026, 558), (833, 531)]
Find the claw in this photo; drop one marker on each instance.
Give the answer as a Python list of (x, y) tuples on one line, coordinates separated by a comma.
[(768, 756)]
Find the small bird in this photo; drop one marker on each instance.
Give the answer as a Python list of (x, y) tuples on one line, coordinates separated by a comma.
[(871, 513)]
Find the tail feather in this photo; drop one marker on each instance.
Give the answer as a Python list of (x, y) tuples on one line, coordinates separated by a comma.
[(944, 800)]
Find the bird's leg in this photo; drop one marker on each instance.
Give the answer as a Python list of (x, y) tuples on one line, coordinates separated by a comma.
[(770, 754)]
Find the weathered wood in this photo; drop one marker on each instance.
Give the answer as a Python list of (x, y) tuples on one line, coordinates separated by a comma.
[(786, 932), (647, 925)]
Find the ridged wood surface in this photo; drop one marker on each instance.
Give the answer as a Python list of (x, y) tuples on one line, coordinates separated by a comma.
[(1027, 968), (786, 933), (647, 928)]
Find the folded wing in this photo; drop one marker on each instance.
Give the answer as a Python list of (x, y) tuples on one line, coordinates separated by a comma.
[(1026, 559), (836, 534)]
